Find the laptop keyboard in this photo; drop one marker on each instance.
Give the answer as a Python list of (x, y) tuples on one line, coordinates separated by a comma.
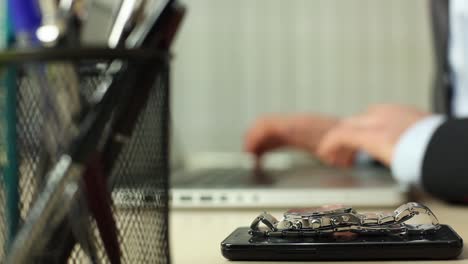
[(222, 177)]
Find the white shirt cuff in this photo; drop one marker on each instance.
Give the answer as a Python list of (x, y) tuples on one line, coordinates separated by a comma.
[(409, 151)]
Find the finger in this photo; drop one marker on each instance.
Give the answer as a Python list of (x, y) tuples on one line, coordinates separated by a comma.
[(346, 136), (304, 132), (350, 159), (345, 157), (343, 136), (339, 157), (264, 135), (329, 158), (355, 138), (255, 134), (268, 144)]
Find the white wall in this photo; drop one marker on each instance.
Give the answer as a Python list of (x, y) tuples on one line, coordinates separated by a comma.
[(237, 59)]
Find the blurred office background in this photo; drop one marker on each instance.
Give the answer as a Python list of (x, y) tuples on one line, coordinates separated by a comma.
[(239, 59)]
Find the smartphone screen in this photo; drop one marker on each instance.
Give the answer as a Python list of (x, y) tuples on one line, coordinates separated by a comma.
[(444, 243)]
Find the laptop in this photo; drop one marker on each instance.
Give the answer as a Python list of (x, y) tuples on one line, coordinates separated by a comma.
[(221, 180)]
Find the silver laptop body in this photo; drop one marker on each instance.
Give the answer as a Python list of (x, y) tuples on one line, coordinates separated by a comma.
[(297, 186)]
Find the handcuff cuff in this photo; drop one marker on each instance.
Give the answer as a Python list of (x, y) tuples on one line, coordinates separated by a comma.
[(326, 220)]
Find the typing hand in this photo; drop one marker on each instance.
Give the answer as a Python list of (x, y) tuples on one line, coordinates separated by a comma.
[(300, 131), (376, 132)]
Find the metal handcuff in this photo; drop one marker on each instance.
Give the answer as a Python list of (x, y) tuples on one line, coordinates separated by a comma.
[(336, 218)]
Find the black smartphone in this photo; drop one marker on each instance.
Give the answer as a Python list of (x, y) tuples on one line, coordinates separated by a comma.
[(444, 243)]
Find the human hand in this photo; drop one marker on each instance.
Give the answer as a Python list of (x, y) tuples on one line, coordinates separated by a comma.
[(376, 132), (302, 131)]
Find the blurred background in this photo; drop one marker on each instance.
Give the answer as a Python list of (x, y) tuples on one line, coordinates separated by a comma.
[(239, 59)]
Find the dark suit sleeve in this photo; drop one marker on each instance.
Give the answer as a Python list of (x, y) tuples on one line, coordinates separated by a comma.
[(445, 165)]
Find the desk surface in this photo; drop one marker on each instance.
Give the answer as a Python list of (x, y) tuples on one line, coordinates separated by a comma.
[(196, 234)]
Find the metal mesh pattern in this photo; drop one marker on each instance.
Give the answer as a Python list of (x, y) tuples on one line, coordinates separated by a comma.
[(141, 170), (29, 128)]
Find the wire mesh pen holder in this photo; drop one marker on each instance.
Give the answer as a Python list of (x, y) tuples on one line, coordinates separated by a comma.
[(55, 94)]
